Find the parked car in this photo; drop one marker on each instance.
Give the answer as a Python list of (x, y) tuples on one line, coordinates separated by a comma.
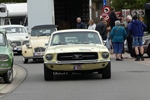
[(76, 51), (6, 58), (38, 37), (146, 45), (17, 35)]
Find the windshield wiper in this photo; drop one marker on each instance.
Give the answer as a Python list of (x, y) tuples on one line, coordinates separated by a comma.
[(60, 43)]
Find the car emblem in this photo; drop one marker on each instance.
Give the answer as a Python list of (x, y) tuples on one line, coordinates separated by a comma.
[(77, 56)]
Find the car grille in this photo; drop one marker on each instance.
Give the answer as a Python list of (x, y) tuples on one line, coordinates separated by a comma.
[(77, 56), (39, 49), (24, 42), (17, 43)]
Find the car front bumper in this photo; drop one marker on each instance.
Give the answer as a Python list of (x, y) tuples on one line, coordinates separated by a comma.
[(73, 65), (34, 57)]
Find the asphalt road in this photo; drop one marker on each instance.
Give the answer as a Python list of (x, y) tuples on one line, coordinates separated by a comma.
[(130, 81)]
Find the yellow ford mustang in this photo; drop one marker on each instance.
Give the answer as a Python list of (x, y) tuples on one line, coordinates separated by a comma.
[(76, 51)]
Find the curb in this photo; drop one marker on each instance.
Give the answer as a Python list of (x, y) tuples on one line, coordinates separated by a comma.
[(19, 76)]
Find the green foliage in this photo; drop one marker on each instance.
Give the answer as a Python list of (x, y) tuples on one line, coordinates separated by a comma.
[(128, 4), (4, 1)]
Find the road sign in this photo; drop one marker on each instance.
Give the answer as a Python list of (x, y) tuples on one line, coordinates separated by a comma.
[(105, 16), (106, 10), (104, 3)]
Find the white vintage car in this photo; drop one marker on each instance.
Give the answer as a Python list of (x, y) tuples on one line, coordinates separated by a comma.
[(39, 36), (76, 51), (17, 35)]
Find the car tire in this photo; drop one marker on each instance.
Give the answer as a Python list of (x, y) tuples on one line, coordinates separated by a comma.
[(34, 59), (48, 74), (8, 76), (148, 50), (106, 72), (25, 60)]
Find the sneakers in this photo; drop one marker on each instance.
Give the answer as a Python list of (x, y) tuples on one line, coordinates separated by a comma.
[(137, 58), (142, 59)]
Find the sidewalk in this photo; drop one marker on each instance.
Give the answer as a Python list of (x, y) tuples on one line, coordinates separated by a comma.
[(125, 56)]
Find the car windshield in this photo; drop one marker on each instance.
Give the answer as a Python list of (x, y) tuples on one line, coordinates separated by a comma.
[(2, 39), (42, 32), (15, 30), (75, 38)]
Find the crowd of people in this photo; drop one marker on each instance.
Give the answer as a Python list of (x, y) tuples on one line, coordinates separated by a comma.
[(115, 32)]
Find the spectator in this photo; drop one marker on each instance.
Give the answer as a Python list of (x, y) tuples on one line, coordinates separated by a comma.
[(102, 28), (129, 36), (80, 24), (136, 28), (112, 17), (118, 35), (92, 25)]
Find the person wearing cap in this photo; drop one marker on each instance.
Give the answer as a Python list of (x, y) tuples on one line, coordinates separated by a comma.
[(137, 28), (129, 36)]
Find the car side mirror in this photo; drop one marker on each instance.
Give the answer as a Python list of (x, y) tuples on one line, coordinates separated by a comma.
[(104, 42)]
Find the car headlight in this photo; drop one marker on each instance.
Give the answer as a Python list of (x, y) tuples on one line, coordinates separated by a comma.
[(105, 55), (3, 57), (49, 57)]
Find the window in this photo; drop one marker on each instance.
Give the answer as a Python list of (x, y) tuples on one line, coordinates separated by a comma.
[(42, 32), (2, 39), (15, 30), (75, 38)]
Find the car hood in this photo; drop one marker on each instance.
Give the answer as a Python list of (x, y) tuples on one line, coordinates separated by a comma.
[(18, 36), (38, 41), (3, 50), (77, 48)]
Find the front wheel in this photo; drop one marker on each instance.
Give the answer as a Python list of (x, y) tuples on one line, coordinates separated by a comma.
[(25, 60), (48, 74), (106, 72), (8, 76)]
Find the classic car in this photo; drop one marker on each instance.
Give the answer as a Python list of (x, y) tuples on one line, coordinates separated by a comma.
[(6, 58), (17, 35), (146, 45), (76, 51), (38, 37)]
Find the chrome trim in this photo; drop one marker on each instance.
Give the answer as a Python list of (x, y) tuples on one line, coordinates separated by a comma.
[(78, 62), (5, 69)]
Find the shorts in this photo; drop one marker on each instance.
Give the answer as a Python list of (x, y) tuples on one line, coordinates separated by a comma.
[(138, 41), (118, 47)]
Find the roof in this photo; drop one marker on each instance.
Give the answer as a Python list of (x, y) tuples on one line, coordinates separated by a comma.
[(75, 30), (3, 26), (44, 26), (147, 5)]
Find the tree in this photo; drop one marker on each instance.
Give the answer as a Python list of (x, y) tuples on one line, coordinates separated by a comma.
[(4, 1), (128, 4)]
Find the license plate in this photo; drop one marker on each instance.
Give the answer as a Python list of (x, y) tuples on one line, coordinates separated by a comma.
[(38, 54), (77, 67)]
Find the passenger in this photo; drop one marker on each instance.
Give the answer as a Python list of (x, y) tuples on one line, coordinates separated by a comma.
[(80, 24), (92, 25), (136, 28), (118, 35)]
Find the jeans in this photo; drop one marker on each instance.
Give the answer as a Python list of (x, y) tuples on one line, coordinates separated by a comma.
[(118, 47)]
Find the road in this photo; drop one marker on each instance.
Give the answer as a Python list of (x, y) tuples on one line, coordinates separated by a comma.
[(130, 81)]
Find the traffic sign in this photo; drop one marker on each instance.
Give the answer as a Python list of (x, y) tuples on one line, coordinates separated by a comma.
[(106, 9)]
